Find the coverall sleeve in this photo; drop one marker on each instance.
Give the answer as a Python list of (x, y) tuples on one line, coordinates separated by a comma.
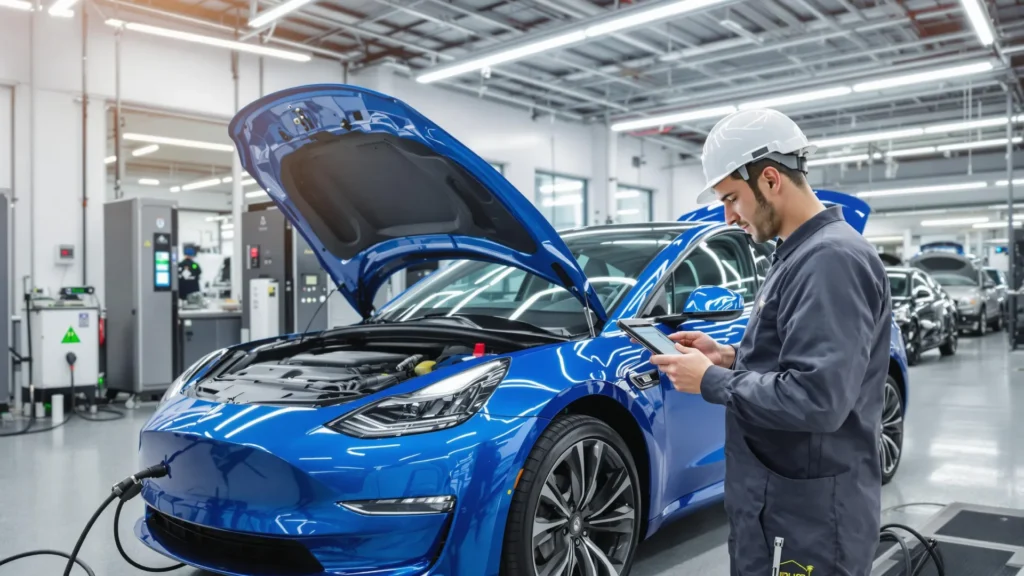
[(828, 312)]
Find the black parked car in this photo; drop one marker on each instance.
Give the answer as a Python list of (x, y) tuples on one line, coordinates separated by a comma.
[(925, 313)]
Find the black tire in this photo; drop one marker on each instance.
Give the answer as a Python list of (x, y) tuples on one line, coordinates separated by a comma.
[(913, 345), (890, 440), (982, 323), (997, 323), (948, 346), (556, 450)]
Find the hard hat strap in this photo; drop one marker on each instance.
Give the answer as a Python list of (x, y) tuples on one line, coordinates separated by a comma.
[(791, 161)]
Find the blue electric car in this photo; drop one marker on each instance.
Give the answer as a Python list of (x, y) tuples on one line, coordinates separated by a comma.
[(490, 419)]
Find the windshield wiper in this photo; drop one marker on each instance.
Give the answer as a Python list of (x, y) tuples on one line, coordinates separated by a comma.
[(487, 322)]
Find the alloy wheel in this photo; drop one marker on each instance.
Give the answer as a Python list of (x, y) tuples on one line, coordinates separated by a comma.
[(891, 441), (585, 517)]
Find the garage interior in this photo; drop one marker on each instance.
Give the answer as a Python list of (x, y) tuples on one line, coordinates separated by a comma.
[(115, 137)]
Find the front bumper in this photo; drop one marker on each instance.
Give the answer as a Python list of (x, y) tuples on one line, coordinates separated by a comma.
[(245, 498), (968, 320)]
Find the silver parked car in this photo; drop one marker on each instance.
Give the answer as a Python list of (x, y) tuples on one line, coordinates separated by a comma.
[(978, 300), (999, 277)]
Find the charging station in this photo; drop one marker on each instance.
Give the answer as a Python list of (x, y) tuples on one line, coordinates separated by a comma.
[(284, 284), (140, 250)]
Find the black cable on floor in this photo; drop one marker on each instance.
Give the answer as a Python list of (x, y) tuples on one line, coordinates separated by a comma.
[(88, 527), (81, 563), (888, 535), (930, 546), (117, 541)]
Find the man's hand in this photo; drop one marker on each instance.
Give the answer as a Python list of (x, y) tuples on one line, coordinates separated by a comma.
[(685, 370), (718, 354)]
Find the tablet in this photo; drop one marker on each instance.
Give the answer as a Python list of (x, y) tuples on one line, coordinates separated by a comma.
[(650, 337)]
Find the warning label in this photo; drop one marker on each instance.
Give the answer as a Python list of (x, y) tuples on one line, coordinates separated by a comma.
[(70, 337)]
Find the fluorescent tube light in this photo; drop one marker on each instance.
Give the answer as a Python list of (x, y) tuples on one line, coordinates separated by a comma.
[(811, 96), (911, 152), (17, 5), (226, 180), (675, 118), (884, 239), (276, 12), (838, 160), (990, 225), (149, 182), (979, 20), (209, 40), (255, 194), (630, 18), (923, 189), (110, 159), (145, 150), (872, 137), (175, 189), (955, 221), (62, 8), (149, 139), (201, 184), (248, 182), (995, 142), (1002, 183), (921, 77), (964, 126)]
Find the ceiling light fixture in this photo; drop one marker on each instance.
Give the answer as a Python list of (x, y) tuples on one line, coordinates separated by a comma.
[(616, 22), (144, 150), (675, 118), (955, 221), (149, 139), (201, 184), (62, 8), (979, 20), (922, 77), (110, 159), (17, 5), (923, 189), (990, 225), (923, 150), (175, 189), (274, 13), (884, 239), (149, 182), (798, 98), (872, 137), (1003, 183), (963, 126), (209, 40), (839, 160), (995, 142), (256, 194), (226, 180)]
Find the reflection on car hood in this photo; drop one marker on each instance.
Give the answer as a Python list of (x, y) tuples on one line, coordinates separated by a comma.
[(961, 291)]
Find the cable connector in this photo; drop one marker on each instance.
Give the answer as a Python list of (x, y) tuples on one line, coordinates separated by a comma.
[(131, 486)]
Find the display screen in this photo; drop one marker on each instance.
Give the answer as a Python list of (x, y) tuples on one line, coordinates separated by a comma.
[(161, 262), (311, 279), (652, 337)]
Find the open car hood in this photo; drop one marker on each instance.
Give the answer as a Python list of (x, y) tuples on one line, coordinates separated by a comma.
[(374, 187), (855, 210)]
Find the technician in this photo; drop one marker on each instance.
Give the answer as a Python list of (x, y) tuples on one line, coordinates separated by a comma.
[(803, 391)]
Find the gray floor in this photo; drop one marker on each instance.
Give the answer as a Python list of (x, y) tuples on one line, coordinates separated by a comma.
[(963, 444)]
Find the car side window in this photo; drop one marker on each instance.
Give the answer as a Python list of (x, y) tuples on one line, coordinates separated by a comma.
[(919, 284), (762, 257), (722, 260)]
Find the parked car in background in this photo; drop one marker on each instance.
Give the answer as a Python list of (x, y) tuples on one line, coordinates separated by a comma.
[(492, 418), (977, 300), (999, 277), (924, 311)]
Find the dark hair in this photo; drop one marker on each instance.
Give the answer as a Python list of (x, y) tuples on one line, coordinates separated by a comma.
[(755, 169)]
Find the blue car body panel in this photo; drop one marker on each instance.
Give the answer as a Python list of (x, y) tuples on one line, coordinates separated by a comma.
[(279, 472), (270, 129), (855, 210)]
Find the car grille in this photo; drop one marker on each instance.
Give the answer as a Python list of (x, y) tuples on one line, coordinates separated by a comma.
[(232, 551)]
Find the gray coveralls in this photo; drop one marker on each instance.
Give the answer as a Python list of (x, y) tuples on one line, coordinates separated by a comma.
[(804, 407)]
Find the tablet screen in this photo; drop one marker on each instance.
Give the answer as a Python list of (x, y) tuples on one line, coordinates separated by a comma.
[(654, 337)]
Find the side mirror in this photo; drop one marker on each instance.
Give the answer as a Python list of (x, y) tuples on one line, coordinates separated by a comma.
[(922, 293), (708, 303)]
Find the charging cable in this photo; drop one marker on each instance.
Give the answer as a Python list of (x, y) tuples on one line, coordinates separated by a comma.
[(124, 490), (71, 359)]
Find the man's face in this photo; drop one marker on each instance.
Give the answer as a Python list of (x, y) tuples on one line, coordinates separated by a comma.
[(748, 209)]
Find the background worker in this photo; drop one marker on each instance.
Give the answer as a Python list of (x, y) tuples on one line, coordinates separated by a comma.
[(803, 390)]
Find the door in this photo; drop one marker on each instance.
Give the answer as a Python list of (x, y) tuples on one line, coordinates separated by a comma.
[(926, 304), (696, 428)]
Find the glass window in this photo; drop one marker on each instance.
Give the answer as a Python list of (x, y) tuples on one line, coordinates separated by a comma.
[(719, 261), (919, 284), (562, 200), (498, 166), (762, 256), (898, 285), (611, 259), (633, 205)]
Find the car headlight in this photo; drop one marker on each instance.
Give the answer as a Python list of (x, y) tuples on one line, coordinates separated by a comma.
[(187, 375), (971, 301), (441, 405)]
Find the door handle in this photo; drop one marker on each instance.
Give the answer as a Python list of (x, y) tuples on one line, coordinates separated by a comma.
[(644, 380)]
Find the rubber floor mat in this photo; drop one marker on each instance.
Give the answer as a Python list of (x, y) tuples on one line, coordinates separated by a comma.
[(960, 560), (985, 527)]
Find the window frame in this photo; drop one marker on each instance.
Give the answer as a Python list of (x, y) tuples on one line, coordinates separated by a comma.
[(537, 196)]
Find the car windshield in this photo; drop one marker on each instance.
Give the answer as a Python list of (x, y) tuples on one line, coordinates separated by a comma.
[(899, 284), (954, 280), (612, 258)]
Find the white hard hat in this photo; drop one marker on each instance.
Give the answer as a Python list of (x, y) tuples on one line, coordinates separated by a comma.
[(748, 135)]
